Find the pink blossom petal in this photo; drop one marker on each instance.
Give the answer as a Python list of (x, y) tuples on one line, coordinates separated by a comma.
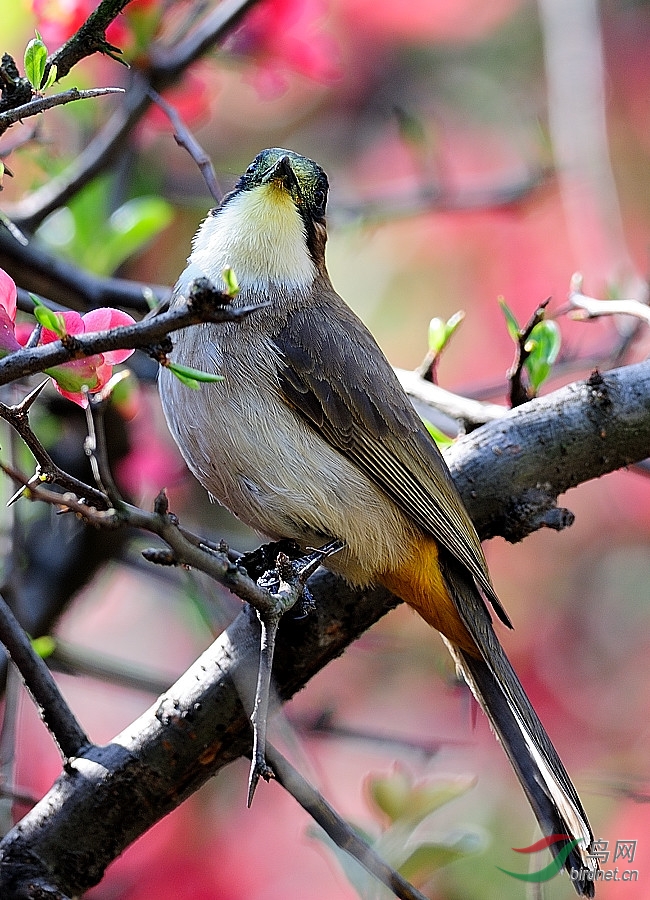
[(115, 357), (23, 332), (104, 373), (8, 342), (104, 319), (76, 396), (8, 294), (73, 325), (70, 377)]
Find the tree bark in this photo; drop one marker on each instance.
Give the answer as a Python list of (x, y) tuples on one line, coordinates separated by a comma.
[(509, 473)]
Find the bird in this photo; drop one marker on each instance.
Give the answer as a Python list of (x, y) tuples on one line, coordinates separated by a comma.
[(309, 436)]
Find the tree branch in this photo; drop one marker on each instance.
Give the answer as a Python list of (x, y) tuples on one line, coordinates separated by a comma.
[(201, 723), (205, 304), (43, 273), (40, 104), (511, 471), (166, 66), (38, 679), (89, 39)]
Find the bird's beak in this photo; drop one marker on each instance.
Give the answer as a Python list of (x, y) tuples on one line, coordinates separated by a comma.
[(282, 172)]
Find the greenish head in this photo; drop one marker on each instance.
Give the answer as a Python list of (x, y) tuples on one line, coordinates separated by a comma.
[(270, 229), (302, 178)]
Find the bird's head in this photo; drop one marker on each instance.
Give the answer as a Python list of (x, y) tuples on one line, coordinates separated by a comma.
[(270, 229), (279, 175)]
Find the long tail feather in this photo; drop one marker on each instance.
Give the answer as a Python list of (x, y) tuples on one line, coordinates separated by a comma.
[(541, 773), (498, 690)]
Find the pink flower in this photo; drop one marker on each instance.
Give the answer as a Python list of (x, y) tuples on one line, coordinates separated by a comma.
[(283, 36), (8, 342), (91, 372), (58, 20)]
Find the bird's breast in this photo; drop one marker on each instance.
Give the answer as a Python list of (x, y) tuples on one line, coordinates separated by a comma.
[(262, 461)]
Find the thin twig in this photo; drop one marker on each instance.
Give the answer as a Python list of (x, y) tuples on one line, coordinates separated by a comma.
[(184, 138), (209, 305), (38, 679), (471, 412), (34, 107), (89, 39), (97, 450), (166, 66), (337, 828), (169, 62), (47, 470), (189, 549), (518, 392), (590, 308)]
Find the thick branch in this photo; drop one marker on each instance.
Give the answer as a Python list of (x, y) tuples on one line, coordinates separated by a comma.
[(199, 725), (511, 471), (43, 273)]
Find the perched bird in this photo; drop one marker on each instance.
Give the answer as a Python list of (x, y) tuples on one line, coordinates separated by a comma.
[(310, 436)]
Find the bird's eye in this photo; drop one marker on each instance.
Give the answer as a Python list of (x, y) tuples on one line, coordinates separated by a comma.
[(250, 169), (320, 198)]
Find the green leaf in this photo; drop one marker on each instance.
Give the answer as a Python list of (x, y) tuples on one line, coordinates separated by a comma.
[(230, 280), (131, 226), (35, 61), (391, 793), (51, 77), (193, 378), (437, 334), (427, 858), (440, 332), (511, 323), (47, 317), (84, 233), (543, 347), (441, 439), (44, 646), (405, 802), (431, 795)]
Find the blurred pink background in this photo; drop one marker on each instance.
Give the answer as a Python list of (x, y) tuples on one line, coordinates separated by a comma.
[(469, 100)]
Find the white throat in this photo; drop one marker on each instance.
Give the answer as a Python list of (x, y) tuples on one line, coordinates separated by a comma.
[(261, 236)]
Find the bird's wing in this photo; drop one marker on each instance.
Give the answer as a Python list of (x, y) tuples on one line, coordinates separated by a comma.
[(332, 372)]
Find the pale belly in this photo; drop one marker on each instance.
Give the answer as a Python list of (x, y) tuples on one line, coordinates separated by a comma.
[(275, 473)]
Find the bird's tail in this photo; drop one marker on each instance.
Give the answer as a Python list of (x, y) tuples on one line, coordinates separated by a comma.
[(543, 777)]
